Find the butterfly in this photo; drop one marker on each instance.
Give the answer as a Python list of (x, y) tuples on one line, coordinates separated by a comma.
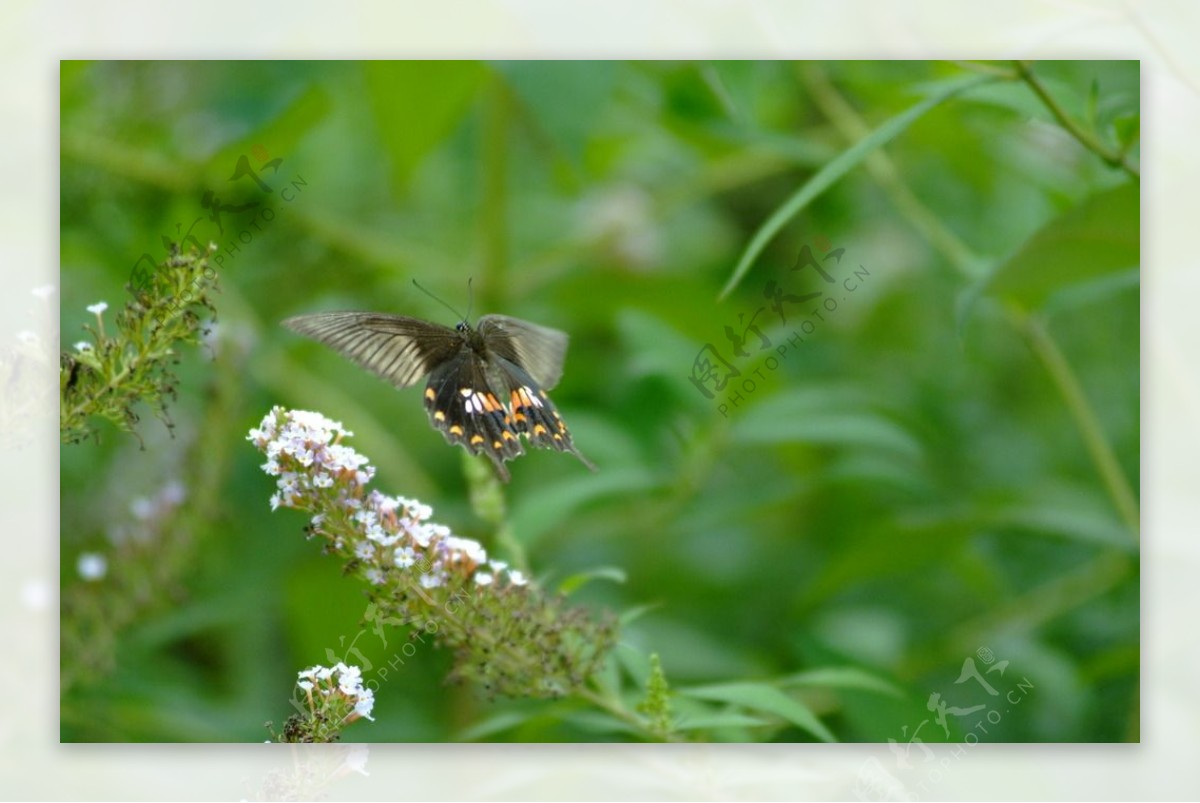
[(487, 383)]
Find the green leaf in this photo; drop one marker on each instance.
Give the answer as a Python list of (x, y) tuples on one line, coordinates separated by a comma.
[(533, 517), (840, 166), (278, 138), (600, 722), (418, 103), (726, 719), (576, 581), (822, 416), (637, 612), (504, 721), (766, 699), (1100, 236), (1127, 128), (563, 98), (843, 677)]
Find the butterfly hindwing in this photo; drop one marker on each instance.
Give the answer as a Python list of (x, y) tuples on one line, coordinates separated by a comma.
[(462, 405), (533, 414)]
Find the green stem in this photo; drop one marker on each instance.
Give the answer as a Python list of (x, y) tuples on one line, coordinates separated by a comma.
[(622, 713), (495, 196), (1047, 350), (853, 128), (1112, 158)]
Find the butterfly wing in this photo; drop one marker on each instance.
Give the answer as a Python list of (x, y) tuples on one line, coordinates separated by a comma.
[(533, 414), (463, 406), (395, 347), (539, 350)]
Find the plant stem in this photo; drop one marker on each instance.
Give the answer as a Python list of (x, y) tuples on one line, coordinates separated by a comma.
[(1047, 350), (619, 711), (1111, 157), (883, 170), (495, 196)]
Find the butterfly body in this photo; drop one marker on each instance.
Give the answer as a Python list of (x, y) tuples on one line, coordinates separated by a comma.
[(486, 385)]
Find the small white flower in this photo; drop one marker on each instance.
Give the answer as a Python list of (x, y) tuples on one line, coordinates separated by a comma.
[(92, 566), (305, 684), (364, 550), (517, 578), (83, 345), (405, 557), (374, 576), (142, 508), (349, 680), (483, 579), (98, 307), (465, 547), (365, 704)]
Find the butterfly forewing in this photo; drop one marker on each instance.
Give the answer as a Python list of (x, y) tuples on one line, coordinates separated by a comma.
[(395, 347)]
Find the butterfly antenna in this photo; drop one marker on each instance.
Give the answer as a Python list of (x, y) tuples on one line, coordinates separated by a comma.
[(443, 303), (470, 296)]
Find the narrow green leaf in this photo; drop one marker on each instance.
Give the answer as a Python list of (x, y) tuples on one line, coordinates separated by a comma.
[(765, 699), (576, 581), (727, 719), (633, 614), (824, 417), (840, 166), (504, 721), (843, 677)]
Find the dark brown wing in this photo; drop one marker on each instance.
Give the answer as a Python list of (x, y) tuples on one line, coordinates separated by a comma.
[(468, 412), (538, 350), (533, 414), (395, 347)]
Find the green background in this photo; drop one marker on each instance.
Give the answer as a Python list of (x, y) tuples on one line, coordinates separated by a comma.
[(908, 487)]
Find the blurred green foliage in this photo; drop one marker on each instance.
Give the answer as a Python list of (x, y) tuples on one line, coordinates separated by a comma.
[(943, 465)]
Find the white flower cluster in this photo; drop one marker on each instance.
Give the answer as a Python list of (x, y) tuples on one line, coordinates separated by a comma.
[(321, 683), (303, 451)]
